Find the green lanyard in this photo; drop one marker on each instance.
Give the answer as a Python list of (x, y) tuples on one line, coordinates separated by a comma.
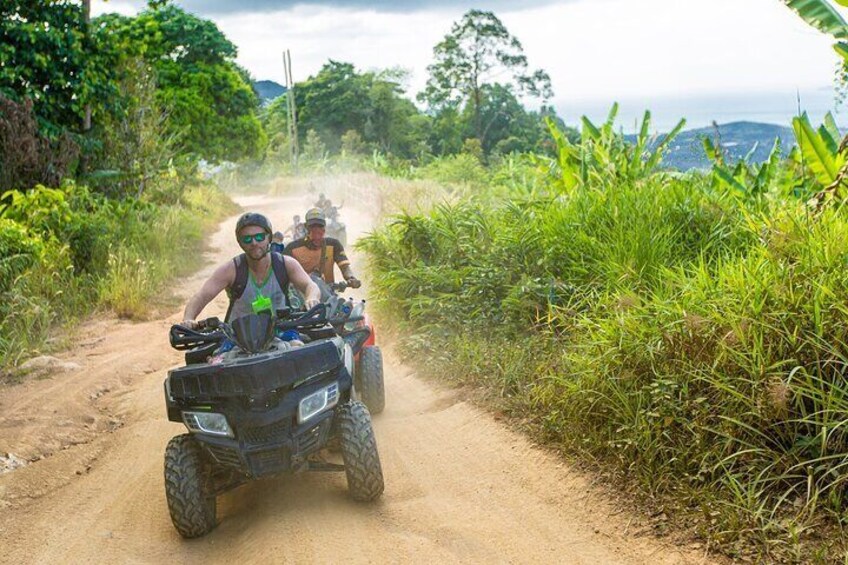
[(262, 303)]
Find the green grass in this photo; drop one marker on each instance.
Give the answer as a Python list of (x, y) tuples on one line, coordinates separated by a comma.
[(79, 253), (687, 340)]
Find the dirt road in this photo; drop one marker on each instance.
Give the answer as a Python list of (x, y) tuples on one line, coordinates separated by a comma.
[(460, 487)]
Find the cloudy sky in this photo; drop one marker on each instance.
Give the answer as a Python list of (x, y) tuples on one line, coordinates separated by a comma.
[(721, 59)]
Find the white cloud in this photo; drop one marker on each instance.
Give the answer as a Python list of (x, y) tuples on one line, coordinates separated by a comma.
[(594, 50), (368, 39), (124, 7), (590, 48), (665, 47)]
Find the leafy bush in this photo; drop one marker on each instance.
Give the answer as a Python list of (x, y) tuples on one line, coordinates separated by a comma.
[(18, 252), (462, 168)]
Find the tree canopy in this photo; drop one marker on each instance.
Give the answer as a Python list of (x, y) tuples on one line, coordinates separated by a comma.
[(46, 57), (477, 51), (339, 99), (210, 103)]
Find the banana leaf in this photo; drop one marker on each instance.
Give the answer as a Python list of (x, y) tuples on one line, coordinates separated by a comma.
[(768, 170), (821, 15), (656, 156), (832, 128), (726, 177), (822, 162), (711, 150), (590, 130)]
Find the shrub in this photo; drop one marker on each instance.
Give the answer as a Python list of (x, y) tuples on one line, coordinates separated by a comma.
[(463, 168), (18, 252), (74, 251)]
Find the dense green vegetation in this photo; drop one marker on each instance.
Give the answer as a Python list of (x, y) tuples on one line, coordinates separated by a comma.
[(688, 331), (102, 126), (683, 332), (210, 104), (67, 251)]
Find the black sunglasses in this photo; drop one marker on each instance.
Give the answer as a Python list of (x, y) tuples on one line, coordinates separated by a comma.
[(257, 237)]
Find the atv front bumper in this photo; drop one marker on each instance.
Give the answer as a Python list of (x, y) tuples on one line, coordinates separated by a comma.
[(268, 450)]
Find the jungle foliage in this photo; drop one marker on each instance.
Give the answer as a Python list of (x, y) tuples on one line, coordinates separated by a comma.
[(685, 333), (103, 217)]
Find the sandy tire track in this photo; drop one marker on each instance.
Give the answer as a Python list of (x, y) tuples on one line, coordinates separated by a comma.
[(460, 487)]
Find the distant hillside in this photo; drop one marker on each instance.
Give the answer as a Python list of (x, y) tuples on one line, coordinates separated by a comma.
[(737, 138), (267, 90)]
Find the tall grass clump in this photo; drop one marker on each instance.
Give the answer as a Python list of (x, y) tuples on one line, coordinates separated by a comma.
[(683, 333), (68, 251)]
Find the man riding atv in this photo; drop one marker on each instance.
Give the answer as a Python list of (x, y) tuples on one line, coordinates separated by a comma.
[(317, 253), (323, 202), (297, 230), (270, 390), (248, 279), (334, 226)]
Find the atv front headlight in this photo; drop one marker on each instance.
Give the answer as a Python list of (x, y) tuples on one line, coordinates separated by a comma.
[(207, 423), (318, 401)]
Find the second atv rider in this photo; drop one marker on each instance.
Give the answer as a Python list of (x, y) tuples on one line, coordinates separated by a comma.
[(257, 280), (317, 253)]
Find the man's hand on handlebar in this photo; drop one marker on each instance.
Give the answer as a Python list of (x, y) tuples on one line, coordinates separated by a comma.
[(310, 304), (353, 282), (200, 325)]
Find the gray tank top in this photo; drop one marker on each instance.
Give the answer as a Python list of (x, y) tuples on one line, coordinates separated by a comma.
[(270, 289)]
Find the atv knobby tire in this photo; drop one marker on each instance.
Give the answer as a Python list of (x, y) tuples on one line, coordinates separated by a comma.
[(189, 487), (359, 452), (369, 379)]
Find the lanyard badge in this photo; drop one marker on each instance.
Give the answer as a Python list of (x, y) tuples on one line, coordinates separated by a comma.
[(261, 304)]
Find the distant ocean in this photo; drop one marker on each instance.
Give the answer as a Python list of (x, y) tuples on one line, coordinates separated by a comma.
[(700, 111)]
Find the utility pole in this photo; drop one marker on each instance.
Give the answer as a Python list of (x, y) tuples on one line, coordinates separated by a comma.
[(86, 10), (294, 150)]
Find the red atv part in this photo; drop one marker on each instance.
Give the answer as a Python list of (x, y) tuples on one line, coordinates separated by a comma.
[(372, 338)]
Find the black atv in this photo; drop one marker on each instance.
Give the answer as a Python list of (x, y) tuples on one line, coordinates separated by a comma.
[(262, 396)]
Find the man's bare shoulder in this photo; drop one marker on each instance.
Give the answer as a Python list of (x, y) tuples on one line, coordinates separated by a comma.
[(225, 272)]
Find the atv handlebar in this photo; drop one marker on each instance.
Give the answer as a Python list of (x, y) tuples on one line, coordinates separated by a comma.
[(316, 316), (209, 324), (213, 330), (208, 331)]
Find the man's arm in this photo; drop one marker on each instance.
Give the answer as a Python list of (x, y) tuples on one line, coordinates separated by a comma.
[(302, 282), (223, 277), (344, 264)]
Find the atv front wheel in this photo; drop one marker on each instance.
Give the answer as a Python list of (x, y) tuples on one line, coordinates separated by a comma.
[(369, 379), (359, 452), (189, 487)]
